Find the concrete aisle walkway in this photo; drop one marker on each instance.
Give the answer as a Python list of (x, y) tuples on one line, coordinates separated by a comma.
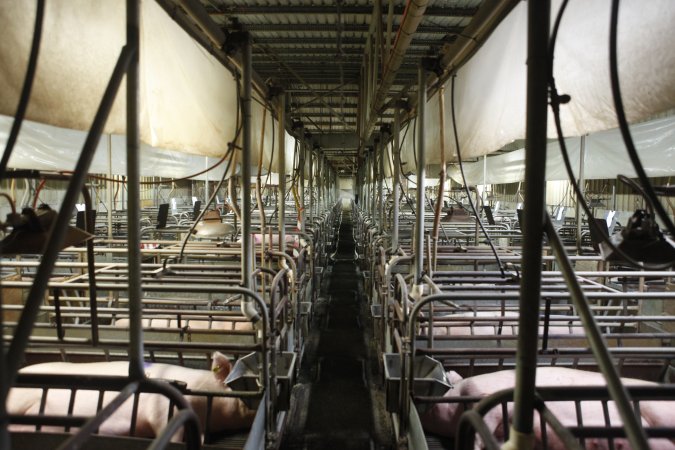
[(339, 402)]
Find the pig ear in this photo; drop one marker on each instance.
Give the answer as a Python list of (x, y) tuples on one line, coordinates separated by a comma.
[(220, 366), (453, 377)]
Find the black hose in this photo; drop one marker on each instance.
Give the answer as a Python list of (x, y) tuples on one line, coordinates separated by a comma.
[(27, 87), (555, 107), (466, 187), (623, 123)]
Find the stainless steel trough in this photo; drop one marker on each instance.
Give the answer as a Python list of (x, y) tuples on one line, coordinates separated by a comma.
[(245, 376), (430, 380)]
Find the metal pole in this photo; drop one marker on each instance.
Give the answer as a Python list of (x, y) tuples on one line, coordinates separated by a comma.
[(206, 181), (301, 168), (521, 436), (577, 213), (421, 163), (111, 186), (246, 250), (322, 179), (634, 432), (397, 176), (59, 228), (380, 181), (366, 200), (311, 184), (134, 197), (281, 168)]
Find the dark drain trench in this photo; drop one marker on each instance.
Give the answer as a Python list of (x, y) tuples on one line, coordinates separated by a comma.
[(338, 402)]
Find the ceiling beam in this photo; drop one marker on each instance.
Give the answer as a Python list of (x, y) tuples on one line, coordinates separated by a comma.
[(242, 10), (353, 52), (287, 40), (295, 105), (332, 28)]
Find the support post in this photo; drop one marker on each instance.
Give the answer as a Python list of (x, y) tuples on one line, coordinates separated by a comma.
[(397, 176), (380, 181), (521, 436), (111, 187), (281, 168), (580, 182), (312, 159), (136, 370), (246, 250), (421, 173), (301, 181)]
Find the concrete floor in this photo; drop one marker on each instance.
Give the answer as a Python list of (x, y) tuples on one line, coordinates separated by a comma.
[(339, 401)]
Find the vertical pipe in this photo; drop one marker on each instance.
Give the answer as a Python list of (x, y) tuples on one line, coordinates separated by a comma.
[(421, 163), (327, 189), (281, 168), (320, 175), (380, 182), (323, 178), (635, 433), (111, 186), (311, 185), (373, 180), (206, 180), (90, 227), (134, 196), (301, 168), (246, 250), (397, 176), (442, 176), (535, 170), (581, 182), (366, 199)]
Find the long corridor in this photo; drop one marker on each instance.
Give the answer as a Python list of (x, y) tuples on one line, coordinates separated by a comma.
[(339, 402)]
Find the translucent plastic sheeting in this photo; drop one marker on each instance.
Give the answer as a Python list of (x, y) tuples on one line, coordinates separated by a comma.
[(187, 98), (45, 147), (490, 88), (605, 156)]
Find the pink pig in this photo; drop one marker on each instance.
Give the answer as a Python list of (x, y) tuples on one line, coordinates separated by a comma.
[(197, 324), (226, 413), (443, 418), (490, 328)]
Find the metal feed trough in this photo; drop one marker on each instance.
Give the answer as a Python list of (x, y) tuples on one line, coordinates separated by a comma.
[(430, 380), (245, 376)]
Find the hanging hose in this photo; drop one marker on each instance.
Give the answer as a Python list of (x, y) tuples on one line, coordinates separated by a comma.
[(258, 196), (27, 87), (37, 192), (442, 175)]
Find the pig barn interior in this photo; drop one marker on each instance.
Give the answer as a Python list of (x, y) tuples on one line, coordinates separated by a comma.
[(349, 224)]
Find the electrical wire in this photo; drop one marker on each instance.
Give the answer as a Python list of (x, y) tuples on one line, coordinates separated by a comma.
[(466, 186), (230, 152), (555, 106), (623, 122), (27, 87)]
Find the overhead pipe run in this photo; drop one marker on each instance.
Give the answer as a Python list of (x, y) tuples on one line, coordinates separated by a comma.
[(196, 12), (412, 17)]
